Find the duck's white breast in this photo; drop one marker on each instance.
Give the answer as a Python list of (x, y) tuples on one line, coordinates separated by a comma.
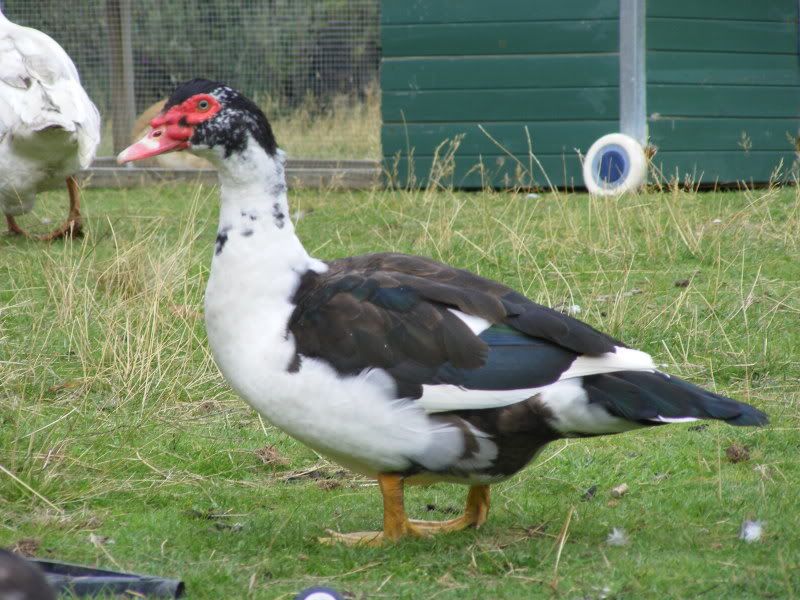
[(356, 420)]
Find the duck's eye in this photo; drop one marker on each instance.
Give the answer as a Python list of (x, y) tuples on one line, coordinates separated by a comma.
[(203, 105)]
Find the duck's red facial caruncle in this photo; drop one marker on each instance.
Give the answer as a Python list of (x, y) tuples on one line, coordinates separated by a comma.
[(173, 129)]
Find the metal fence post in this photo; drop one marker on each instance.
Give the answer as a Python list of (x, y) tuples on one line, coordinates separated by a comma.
[(123, 102), (632, 74)]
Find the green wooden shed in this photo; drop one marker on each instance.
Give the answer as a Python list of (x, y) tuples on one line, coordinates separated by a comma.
[(713, 86)]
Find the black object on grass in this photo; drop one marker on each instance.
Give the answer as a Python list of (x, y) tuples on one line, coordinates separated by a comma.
[(88, 581), (21, 580)]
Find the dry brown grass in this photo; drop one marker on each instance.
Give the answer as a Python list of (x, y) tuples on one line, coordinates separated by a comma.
[(345, 129)]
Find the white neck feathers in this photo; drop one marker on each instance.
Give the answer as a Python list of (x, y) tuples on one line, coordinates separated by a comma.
[(254, 207), (254, 182), (257, 265)]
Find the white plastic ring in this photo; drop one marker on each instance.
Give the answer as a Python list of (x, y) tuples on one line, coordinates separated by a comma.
[(614, 164), (318, 593)]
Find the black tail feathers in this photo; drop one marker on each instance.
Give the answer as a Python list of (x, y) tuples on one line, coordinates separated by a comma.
[(655, 398)]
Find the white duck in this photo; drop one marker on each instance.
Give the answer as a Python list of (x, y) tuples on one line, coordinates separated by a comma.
[(397, 366), (49, 128)]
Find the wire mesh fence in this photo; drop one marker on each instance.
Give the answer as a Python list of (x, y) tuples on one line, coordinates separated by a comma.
[(281, 52)]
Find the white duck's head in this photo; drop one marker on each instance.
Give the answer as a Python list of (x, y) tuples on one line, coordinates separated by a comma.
[(207, 118)]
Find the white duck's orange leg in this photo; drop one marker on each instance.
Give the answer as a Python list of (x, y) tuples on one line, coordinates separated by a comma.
[(13, 227), (396, 524), (73, 226)]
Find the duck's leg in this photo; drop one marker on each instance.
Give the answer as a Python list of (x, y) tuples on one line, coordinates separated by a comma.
[(13, 227), (395, 522), (475, 514), (73, 226)]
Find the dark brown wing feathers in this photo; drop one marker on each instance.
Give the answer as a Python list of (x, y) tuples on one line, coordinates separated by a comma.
[(391, 311)]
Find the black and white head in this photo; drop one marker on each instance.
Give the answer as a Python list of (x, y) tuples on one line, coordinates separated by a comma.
[(206, 118)]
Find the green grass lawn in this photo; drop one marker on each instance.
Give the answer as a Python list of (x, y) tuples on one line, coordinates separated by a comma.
[(121, 445)]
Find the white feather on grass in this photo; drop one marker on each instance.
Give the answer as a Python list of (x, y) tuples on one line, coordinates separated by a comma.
[(617, 537), (751, 531)]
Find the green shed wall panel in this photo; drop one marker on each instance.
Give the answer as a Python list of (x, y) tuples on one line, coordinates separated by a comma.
[(709, 35), (744, 10), (459, 39), (724, 167), (728, 101), (449, 67), (705, 134), (722, 68), (723, 87), (490, 137), (499, 72), (395, 12), (501, 105)]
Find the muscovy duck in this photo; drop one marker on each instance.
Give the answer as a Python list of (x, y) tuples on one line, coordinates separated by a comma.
[(397, 366), (49, 128)]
